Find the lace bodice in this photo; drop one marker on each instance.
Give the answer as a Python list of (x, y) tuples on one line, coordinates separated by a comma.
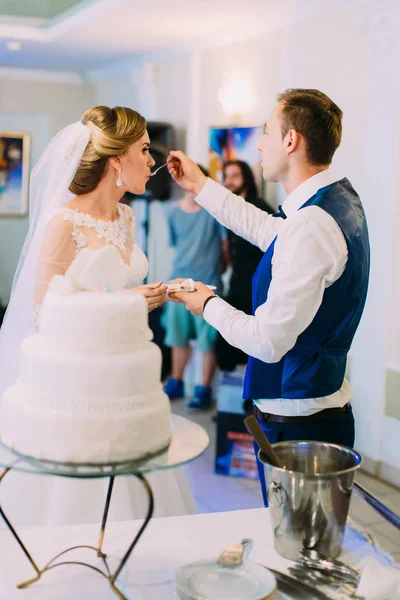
[(69, 231), (119, 233)]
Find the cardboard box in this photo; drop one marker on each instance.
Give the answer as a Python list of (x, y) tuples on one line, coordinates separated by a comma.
[(234, 452)]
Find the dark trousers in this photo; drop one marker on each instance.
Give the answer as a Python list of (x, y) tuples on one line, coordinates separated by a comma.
[(338, 429)]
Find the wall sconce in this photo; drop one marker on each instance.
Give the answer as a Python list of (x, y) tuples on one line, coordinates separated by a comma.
[(237, 97)]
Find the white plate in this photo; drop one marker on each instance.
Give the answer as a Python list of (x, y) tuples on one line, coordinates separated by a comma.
[(174, 289), (207, 580)]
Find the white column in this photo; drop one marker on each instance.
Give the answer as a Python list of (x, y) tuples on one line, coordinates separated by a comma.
[(145, 79), (194, 138), (379, 194)]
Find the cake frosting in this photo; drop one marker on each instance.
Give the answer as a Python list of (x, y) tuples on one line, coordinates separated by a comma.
[(89, 388)]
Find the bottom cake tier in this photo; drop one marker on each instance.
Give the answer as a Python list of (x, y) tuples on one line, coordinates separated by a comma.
[(84, 430)]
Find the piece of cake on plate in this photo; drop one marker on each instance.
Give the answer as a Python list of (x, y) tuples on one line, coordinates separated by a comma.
[(188, 285)]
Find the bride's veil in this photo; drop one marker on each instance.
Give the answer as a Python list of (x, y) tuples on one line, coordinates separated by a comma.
[(49, 183)]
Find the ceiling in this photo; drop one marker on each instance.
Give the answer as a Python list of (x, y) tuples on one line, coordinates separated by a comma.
[(38, 9), (94, 34)]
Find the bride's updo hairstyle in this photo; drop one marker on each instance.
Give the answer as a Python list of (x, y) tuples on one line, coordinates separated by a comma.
[(113, 130)]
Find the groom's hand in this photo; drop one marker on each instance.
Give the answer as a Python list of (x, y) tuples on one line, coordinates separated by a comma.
[(194, 301), (185, 172)]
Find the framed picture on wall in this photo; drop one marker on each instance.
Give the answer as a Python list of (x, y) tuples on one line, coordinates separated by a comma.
[(235, 143), (14, 173)]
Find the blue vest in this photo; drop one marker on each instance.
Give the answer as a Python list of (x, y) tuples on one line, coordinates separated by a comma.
[(315, 366)]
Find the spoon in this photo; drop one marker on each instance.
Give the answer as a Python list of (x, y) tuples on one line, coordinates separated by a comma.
[(156, 171), (254, 428), (235, 554), (314, 560)]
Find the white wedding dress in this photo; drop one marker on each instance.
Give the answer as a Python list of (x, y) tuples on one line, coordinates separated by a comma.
[(35, 500)]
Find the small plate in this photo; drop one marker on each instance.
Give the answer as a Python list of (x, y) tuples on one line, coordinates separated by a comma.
[(207, 580), (177, 290)]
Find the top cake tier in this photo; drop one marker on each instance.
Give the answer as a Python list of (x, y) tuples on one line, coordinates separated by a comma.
[(100, 323)]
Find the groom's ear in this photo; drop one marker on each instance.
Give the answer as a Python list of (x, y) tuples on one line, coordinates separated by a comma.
[(293, 140)]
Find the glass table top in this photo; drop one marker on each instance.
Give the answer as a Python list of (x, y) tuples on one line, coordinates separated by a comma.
[(188, 442)]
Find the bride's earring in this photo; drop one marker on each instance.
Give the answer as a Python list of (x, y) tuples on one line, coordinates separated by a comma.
[(119, 180)]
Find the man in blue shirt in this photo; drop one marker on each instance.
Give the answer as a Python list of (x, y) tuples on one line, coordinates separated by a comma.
[(200, 243)]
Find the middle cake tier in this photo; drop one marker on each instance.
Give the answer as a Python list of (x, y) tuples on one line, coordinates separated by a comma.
[(49, 370)]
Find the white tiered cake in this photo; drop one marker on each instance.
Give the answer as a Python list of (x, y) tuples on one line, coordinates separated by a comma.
[(89, 386)]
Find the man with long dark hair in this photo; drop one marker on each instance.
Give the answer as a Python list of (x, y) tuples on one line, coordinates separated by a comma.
[(244, 257), (239, 179)]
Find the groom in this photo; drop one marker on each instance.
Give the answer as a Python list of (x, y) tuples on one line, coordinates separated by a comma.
[(310, 288)]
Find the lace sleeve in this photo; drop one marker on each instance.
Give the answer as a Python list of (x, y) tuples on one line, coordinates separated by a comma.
[(128, 215), (130, 223), (56, 254)]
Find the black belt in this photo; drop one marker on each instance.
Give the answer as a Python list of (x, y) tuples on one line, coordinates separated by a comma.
[(327, 413)]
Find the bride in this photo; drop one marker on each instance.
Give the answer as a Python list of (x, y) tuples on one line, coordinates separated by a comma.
[(75, 194)]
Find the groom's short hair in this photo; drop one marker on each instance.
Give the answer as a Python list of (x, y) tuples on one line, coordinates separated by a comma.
[(317, 118)]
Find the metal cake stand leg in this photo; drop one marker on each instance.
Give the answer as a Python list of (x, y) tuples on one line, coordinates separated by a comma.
[(139, 534), (11, 528), (107, 574), (104, 519)]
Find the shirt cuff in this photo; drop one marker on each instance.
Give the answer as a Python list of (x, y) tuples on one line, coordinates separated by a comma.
[(211, 196), (214, 311)]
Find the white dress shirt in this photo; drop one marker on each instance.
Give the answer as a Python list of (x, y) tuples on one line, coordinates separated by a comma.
[(310, 255)]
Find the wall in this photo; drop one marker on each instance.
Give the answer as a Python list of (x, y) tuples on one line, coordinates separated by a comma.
[(62, 102), (260, 61), (40, 108), (13, 230), (123, 90)]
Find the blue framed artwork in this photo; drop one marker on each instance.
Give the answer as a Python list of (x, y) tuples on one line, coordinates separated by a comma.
[(14, 173), (235, 143)]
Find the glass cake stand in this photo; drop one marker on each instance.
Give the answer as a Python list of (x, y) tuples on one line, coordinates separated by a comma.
[(188, 442)]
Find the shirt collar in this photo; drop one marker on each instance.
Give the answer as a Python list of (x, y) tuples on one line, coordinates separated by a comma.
[(307, 190)]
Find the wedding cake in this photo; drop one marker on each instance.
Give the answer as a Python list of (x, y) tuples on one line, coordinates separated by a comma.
[(89, 387)]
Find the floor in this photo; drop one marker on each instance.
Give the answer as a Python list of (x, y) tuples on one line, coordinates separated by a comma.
[(215, 493)]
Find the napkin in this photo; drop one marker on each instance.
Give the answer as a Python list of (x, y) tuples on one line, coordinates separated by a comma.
[(378, 582)]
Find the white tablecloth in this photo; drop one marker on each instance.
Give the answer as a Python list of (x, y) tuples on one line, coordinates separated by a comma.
[(149, 574)]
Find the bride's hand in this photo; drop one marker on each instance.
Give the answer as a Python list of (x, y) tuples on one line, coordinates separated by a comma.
[(154, 294)]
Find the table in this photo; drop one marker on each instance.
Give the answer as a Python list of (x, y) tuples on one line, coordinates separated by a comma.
[(149, 575), (188, 442)]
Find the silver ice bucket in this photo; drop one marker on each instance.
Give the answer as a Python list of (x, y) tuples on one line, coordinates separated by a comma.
[(309, 500)]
